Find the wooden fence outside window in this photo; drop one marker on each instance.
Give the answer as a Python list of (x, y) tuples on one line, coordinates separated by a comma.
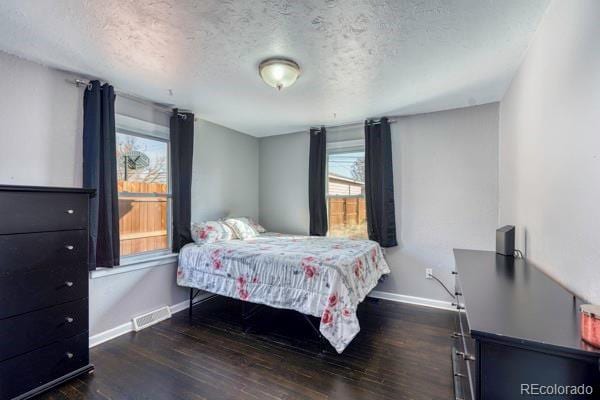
[(142, 220), (347, 217)]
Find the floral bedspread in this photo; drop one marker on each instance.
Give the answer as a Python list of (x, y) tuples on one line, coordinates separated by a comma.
[(323, 277)]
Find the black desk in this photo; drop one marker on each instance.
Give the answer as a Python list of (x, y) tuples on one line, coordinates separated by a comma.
[(516, 327)]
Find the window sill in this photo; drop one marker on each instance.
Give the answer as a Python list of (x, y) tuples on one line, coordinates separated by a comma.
[(135, 264)]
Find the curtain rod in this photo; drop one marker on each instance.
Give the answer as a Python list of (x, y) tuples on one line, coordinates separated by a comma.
[(376, 121), (164, 108), (86, 82)]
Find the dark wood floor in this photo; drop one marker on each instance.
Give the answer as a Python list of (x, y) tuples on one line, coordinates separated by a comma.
[(402, 352)]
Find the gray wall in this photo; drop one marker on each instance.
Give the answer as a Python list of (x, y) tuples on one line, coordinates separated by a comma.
[(446, 193), (549, 148), (445, 183), (115, 299), (40, 133), (40, 144), (224, 180), (283, 198), (283, 166), (225, 176)]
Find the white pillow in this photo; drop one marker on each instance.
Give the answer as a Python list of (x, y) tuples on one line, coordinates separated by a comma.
[(211, 231), (252, 223), (241, 228)]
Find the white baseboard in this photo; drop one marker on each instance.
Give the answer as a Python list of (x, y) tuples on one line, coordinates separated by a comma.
[(175, 308), (110, 334), (127, 327), (422, 301)]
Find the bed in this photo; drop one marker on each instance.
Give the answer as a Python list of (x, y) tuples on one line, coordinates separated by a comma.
[(323, 277)]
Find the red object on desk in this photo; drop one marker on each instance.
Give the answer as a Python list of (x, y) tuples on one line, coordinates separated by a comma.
[(590, 324)]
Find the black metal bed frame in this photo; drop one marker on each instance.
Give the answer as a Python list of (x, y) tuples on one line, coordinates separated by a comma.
[(249, 312)]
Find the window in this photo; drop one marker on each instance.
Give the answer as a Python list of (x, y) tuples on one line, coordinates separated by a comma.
[(144, 193), (346, 205)]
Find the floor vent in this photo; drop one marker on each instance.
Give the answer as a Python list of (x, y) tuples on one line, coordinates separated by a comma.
[(153, 317)]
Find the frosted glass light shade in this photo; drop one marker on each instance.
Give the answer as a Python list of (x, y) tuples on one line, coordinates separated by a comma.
[(279, 73)]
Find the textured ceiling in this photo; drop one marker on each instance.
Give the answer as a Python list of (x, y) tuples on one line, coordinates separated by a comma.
[(360, 58)]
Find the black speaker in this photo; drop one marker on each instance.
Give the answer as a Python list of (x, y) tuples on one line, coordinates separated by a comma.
[(505, 240)]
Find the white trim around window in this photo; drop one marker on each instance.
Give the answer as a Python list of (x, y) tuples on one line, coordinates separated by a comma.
[(340, 148), (346, 145), (129, 125), (136, 263), (150, 131)]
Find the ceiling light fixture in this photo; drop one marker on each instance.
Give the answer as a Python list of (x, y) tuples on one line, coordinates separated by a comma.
[(279, 72)]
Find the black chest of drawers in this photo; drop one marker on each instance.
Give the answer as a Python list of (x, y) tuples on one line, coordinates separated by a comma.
[(43, 288), (517, 334)]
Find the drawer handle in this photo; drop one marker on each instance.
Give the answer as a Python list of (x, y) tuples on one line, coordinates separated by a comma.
[(69, 247), (458, 306), (454, 272), (69, 319), (459, 334), (459, 375), (69, 283), (465, 356), (70, 211), (458, 293), (69, 354)]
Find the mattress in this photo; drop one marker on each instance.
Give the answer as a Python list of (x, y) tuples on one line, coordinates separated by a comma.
[(323, 277)]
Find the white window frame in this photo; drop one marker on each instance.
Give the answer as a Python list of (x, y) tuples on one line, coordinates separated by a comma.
[(147, 130), (345, 146)]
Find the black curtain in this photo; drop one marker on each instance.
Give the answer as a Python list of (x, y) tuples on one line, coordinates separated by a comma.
[(379, 183), (100, 173), (182, 150), (317, 182)]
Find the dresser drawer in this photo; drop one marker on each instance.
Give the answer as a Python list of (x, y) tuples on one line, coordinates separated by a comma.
[(457, 286), (461, 380), (36, 329), (465, 352), (469, 344), (39, 270), (28, 371), (22, 212)]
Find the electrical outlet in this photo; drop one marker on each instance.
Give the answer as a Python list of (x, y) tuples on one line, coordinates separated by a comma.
[(428, 273)]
